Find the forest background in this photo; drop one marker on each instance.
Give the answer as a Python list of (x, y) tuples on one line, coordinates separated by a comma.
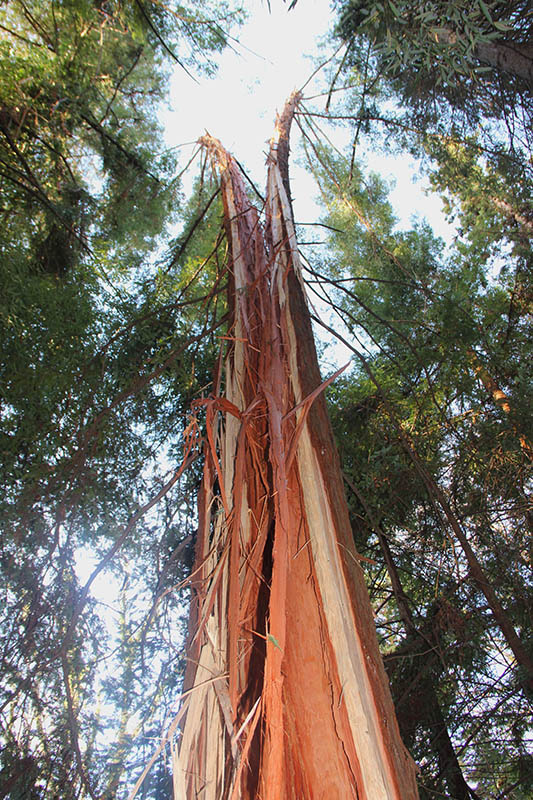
[(111, 325)]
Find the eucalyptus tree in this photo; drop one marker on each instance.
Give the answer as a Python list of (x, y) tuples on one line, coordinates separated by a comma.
[(453, 81), (278, 594), (437, 469), (99, 350), (456, 61), (434, 426)]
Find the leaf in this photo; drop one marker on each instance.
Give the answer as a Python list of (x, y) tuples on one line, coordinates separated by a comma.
[(273, 640), (485, 11), (502, 26), (395, 10)]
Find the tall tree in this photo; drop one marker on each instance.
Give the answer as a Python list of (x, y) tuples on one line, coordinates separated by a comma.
[(97, 337), (285, 694), (438, 472)]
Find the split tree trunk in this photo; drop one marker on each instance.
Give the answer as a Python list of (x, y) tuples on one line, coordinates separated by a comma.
[(286, 694)]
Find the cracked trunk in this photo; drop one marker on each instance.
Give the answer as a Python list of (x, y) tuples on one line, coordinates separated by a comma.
[(285, 688)]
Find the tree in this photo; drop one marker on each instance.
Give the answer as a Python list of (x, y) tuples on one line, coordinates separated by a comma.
[(278, 587), (462, 60), (108, 342), (97, 337), (434, 465), (424, 64)]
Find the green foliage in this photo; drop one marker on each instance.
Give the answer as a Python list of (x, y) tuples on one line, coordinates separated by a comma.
[(428, 326), (81, 152), (449, 60), (105, 341)]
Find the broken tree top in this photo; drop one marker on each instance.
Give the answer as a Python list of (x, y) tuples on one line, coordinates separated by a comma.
[(285, 692)]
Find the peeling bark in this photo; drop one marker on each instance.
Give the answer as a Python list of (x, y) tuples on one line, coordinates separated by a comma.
[(287, 694)]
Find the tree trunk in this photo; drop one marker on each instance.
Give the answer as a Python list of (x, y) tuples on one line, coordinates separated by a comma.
[(285, 688), (514, 59)]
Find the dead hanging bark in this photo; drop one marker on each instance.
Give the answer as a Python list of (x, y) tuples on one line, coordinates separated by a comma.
[(286, 692)]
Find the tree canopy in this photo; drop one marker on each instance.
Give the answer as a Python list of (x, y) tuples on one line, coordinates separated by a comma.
[(101, 355)]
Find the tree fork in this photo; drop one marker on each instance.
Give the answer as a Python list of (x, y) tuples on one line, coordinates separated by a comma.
[(286, 694)]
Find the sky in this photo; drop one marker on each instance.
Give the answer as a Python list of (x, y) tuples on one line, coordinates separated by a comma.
[(277, 51), (271, 58)]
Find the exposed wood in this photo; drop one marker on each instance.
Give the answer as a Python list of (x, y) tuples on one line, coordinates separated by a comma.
[(288, 697)]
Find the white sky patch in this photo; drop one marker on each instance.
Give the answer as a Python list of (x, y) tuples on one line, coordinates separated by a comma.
[(275, 54), (272, 58), (105, 588)]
